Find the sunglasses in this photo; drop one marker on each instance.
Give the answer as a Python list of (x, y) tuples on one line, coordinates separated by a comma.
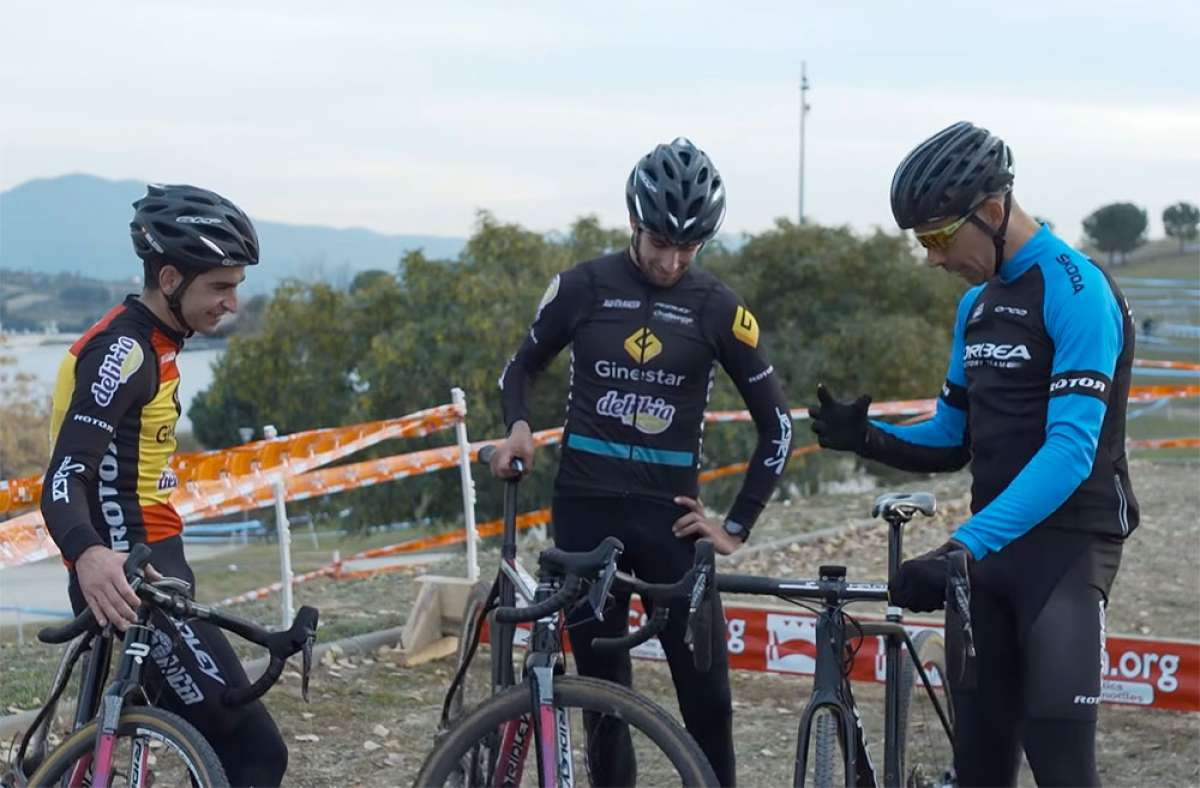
[(940, 239)]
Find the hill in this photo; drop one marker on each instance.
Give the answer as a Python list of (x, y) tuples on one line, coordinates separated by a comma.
[(79, 224)]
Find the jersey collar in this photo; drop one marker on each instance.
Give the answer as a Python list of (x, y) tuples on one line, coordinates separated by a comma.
[(1025, 258), (135, 303)]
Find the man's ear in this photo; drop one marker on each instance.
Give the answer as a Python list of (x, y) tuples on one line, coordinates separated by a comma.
[(169, 278)]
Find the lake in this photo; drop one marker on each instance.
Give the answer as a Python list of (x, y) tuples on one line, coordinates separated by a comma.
[(40, 356)]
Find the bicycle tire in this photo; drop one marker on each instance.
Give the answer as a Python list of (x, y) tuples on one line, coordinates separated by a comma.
[(169, 729), (500, 636), (926, 757), (575, 693), (827, 761), (475, 763), (472, 612)]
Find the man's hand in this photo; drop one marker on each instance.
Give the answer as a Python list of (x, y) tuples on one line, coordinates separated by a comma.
[(838, 425), (699, 525), (920, 585), (101, 574), (518, 445)]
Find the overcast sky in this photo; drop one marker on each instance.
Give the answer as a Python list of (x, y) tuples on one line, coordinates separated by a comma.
[(407, 117)]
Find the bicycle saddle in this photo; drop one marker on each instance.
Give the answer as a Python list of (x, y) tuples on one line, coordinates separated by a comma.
[(901, 507)]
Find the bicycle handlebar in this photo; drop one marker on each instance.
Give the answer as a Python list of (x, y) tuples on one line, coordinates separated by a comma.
[(281, 645), (695, 587), (564, 596), (484, 456)]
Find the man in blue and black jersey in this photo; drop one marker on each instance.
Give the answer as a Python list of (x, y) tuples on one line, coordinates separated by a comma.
[(647, 332), (1035, 400)]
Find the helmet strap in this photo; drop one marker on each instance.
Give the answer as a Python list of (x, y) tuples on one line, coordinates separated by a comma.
[(175, 300), (997, 235), (634, 240)]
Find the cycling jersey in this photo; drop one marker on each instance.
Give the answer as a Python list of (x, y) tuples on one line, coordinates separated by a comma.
[(1035, 398), (113, 430), (643, 362)]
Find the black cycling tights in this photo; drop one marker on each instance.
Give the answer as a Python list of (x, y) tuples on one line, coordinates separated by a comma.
[(1038, 613), (653, 554), (189, 671)]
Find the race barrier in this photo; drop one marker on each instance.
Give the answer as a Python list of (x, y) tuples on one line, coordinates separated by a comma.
[(207, 479), (1165, 443), (203, 475), (1153, 673), (215, 488)]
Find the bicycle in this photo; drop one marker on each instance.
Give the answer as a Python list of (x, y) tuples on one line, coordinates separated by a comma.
[(512, 586), (163, 748), (490, 745), (831, 719)]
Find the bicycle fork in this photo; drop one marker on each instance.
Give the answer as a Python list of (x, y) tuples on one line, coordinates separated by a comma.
[(134, 654), (549, 727), (831, 691)]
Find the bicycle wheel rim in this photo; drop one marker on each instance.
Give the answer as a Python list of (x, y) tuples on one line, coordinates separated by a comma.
[(654, 733), (927, 755), (172, 753)]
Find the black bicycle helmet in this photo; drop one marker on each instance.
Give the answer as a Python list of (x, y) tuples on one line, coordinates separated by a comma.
[(944, 175), (676, 193), (191, 228)]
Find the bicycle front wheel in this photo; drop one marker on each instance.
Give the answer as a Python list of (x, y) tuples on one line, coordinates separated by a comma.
[(665, 753), (926, 752), (474, 688), (153, 747)]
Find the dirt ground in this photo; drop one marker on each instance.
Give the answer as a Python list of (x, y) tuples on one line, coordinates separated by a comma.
[(371, 721)]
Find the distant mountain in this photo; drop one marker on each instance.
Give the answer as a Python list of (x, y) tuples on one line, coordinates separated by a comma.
[(79, 223)]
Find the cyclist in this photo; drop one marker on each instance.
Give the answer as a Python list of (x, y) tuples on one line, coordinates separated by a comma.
[(647, 330), (1035, 400), (115, 407)]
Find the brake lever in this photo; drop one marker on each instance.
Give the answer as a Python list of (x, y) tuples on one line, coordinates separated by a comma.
[(306, 665), (964, 610), (694, 601), (960, 587), (598, 594)]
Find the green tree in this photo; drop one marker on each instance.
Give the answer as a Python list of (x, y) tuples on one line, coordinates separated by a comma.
[(295, 373), (1181, 221), (1119, 227), (859, 313)]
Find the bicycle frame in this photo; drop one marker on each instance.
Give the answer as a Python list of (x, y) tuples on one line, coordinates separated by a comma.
[(550, 726), (831, 688)]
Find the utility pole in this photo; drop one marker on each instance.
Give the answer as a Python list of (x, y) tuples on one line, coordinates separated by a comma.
[(804, 108)]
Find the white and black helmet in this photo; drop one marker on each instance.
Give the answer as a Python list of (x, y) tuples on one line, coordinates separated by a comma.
[(193, 228), (676, 193), (945, 175)]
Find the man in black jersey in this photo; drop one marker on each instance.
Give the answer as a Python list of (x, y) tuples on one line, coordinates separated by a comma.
[(647, 333)]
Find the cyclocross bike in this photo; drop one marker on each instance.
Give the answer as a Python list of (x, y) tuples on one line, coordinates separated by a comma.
[(118, 736), (917, 751), (548, 712)]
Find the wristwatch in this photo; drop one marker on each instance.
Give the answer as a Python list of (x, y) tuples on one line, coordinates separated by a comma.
[(735, 529)]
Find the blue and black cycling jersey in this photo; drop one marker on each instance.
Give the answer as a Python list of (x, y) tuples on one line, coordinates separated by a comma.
[(1035, 399), (643, 362)]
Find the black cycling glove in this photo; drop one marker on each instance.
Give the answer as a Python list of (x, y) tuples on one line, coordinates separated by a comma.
[(838, 425), (920, 585)]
